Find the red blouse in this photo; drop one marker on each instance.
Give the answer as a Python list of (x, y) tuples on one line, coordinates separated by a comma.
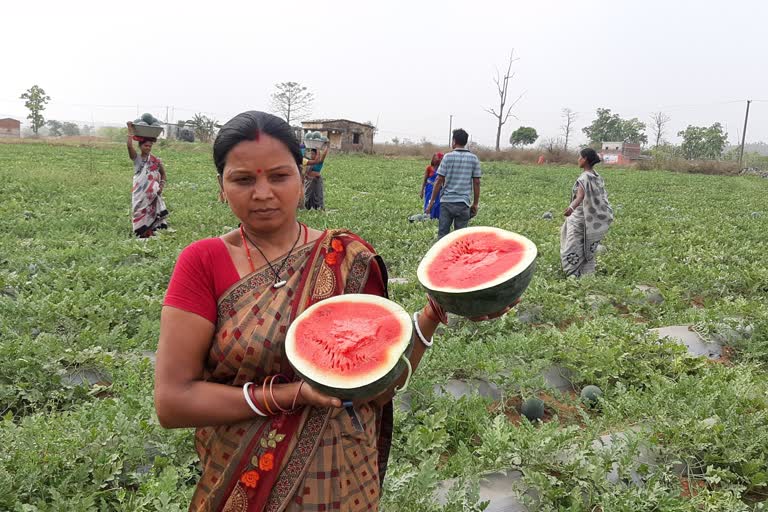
[(205, 270)]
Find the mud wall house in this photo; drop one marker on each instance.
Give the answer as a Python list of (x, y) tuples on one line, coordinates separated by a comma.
[(343, 134), (10, 128)]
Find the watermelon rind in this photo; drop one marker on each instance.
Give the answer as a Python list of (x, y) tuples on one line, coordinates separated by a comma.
[(492, 296), (345, 387)]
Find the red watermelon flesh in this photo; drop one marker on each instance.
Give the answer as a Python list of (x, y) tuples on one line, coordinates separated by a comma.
[(475, 259), (349, 337)]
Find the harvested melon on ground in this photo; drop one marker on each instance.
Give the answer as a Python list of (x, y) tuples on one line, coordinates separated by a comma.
[(351, 346), (478, 271)]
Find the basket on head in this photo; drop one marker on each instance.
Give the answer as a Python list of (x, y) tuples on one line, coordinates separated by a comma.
[(314, 143), (147, 131)]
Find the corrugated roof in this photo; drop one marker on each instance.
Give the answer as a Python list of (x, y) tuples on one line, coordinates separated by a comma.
[(321, 121)]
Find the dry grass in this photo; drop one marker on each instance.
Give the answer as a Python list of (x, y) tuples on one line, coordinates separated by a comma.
[(718, 167), (485, 154)]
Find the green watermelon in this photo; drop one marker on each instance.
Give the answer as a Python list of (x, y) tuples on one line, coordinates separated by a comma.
[(591, 395), (533, 409), (478, 271)]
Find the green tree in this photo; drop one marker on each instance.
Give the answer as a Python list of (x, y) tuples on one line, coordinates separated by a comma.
[(523, 136), (204, 126), (292, 101), (54, 128), (703, 143), (117, 134), (86, 130), (607, 127), (36, 100), (70, 129)]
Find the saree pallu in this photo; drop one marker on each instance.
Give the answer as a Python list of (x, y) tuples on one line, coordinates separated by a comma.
[(434, 213), (582, 232), (147, 205), (313, 459)]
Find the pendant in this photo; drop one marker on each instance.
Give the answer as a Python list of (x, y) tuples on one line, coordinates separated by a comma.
[(279, 284)]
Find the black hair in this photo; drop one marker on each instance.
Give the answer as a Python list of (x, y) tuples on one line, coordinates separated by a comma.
[(591, 156), (460, 137), (248, 126)]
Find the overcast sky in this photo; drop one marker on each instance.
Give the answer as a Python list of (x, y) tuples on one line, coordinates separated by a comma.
[(407, 65)]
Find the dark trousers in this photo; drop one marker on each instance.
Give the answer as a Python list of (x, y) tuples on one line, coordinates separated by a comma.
[(452, 213)]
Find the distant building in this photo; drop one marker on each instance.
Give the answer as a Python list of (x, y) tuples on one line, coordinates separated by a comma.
[(343, 134), (182, 132), (10, 128), (619, 152)]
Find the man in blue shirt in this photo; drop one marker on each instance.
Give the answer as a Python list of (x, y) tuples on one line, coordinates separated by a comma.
[(458, 176)]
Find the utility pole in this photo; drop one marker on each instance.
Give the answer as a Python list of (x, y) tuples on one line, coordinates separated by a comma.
[(450, 131), (744, 134)]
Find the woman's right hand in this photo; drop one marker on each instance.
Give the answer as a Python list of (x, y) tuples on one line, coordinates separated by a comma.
[(421, 194), (310, 396), (130, 128)]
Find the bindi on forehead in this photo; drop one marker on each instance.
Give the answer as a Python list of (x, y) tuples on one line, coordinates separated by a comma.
[(259, 171)]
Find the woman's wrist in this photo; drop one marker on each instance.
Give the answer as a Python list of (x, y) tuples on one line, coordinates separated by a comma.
[(435, 311), (295, 392)]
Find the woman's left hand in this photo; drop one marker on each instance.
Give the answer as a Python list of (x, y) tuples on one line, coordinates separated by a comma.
[(495, 315), (568, 211)]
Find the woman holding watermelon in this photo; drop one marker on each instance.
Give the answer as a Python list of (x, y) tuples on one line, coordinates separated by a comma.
[(266, 440), (588, 218), (149, 212)]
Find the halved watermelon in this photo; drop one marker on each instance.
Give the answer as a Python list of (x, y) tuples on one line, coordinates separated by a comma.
[(478, 271), (350, 346)]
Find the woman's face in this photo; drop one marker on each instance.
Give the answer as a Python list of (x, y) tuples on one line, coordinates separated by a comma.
[(146, 147), (582, 161), (262, 185)]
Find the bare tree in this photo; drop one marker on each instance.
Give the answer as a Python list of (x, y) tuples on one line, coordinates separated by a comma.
[(292, 101), (660, 120), (551, 144), (502, 86), (569, 117)]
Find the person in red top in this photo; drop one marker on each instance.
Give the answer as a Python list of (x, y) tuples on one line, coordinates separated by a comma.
[(430, 176)]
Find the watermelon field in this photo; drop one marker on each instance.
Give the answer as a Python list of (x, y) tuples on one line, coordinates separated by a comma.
[(80, 301)]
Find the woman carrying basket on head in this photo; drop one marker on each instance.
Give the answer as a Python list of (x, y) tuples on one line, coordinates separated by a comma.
[(314, 187), (148, 209)]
